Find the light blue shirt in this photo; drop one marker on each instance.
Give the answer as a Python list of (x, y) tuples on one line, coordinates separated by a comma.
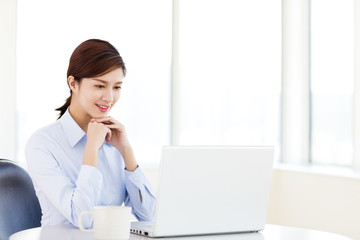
[(66, 188)]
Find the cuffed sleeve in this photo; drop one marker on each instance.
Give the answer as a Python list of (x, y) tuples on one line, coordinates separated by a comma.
[(141, 196)]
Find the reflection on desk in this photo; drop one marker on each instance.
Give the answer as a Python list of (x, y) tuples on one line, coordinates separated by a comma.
[(271, 232), (238, 236)]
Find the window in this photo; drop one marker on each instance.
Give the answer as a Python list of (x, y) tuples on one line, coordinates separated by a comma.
[(230, 72), (206, 72), (332, 81), (318, 61)]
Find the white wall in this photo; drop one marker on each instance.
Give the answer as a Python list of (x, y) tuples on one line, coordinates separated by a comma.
[(8, 10), (318, 201), (310, 200)]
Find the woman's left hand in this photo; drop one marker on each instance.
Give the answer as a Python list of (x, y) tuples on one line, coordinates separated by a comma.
[(119, 140), (118, 137)]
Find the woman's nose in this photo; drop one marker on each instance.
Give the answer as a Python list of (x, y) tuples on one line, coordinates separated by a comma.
[(108, 95)]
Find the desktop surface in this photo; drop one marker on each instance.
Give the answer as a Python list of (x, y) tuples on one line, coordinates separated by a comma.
[(271, 232)]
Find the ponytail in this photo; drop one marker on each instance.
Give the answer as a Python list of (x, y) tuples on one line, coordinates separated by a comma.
[(64, 107)]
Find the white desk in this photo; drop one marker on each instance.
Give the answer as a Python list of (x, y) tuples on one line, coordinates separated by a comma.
[(271, 232)]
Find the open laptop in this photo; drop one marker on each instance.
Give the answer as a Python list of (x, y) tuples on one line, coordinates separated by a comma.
[(210, 190)]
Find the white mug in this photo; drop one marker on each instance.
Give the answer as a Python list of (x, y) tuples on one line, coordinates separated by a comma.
[(109, 222)]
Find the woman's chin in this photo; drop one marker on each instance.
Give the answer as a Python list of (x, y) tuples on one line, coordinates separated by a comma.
[(99, 115)]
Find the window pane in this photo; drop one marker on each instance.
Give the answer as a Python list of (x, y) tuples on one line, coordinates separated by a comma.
[(230, 61), (49, 31), (332, 77)]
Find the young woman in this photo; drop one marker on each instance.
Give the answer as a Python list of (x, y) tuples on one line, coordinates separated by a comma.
[(84, 159)]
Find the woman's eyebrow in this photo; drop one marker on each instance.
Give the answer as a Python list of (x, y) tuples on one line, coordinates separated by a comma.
[(103, 81)]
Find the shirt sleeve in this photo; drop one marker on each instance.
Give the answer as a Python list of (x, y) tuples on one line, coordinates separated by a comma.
[(141, 196), (69, 198)]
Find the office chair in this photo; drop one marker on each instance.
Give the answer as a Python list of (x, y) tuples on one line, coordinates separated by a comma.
[(19, 206)]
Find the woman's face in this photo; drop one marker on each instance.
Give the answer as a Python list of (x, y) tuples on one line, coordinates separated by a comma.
[(96, 96)]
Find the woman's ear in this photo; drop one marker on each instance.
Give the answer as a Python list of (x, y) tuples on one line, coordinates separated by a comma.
[(73, 84)]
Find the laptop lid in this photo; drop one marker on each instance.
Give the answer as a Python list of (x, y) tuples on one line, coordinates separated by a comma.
[(212, 189)]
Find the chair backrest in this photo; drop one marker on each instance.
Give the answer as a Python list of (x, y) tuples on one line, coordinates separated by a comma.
[(19, 206)]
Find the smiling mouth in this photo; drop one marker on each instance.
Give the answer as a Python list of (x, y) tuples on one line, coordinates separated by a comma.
[(103, 108)]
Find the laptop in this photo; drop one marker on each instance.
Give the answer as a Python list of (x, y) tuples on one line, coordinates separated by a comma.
[(210, 190)]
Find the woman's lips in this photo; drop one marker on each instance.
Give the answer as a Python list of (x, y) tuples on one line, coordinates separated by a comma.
[(102, 108)]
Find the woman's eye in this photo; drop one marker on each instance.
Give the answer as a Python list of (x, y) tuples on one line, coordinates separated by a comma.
[(118, 87), (100, 86)]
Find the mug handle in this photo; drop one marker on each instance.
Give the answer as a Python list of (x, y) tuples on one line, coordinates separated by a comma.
[(80, 222)]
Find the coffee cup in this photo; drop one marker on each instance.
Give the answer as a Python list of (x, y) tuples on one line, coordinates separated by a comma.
[(109, 222)]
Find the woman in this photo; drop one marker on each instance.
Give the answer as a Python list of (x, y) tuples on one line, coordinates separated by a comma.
[(84, 159)]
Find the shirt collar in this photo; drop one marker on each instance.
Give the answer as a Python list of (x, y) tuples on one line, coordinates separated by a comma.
[(72, 130)]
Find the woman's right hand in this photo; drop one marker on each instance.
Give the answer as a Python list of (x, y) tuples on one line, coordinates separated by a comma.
[(97, 133)]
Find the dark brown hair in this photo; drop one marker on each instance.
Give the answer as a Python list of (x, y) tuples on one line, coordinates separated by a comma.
[(92, 58)]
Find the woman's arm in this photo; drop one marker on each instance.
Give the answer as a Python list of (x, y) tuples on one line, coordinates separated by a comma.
[(58, 193), (141, 195)]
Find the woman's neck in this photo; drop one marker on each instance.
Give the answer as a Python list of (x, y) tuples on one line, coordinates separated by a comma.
[(82, 119)]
